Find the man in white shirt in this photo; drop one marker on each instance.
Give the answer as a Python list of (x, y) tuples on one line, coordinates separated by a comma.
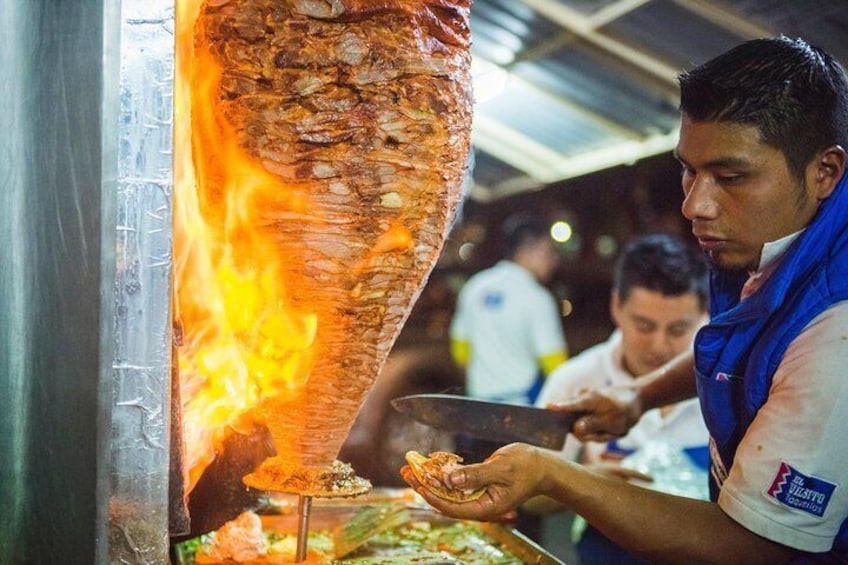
[(507, 329), (658, 301), (762, 146)]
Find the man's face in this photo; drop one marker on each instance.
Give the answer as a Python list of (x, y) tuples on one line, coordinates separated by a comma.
[(739, 193), (655, 328), (544, 258)]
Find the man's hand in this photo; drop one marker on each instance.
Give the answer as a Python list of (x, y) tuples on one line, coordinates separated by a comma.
[(511, 475), (607, 413)]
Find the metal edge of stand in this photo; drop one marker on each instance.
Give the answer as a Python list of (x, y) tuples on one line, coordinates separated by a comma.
[(134, 471)]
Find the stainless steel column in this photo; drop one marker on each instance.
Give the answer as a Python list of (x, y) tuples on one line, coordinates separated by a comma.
[(51, 79)]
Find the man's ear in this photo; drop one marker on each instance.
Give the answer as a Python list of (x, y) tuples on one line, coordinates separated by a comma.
[(827, 171)]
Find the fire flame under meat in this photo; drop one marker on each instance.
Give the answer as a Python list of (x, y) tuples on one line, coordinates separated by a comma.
[(328, 144)]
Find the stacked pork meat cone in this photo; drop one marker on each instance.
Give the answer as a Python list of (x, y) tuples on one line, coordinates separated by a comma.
[(362, 110)]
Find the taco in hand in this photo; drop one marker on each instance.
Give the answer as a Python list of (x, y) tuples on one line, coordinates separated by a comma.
[(431, 472)]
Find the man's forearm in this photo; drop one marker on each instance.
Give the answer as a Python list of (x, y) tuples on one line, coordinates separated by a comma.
[(660, 527), (673, 382)]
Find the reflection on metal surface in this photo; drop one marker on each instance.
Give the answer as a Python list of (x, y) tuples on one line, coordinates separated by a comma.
[(13, 313), (50, 267)]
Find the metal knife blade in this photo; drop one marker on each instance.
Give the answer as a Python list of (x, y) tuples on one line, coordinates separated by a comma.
[(495, 421)]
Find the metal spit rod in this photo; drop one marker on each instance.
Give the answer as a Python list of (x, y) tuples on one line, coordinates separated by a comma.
[(304, 508)]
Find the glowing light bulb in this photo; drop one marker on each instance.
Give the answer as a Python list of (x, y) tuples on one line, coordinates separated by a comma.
[(561, 231)]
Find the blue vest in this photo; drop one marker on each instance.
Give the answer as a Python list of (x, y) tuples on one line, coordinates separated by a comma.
[(737, 354)]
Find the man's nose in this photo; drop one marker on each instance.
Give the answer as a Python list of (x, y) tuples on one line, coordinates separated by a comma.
[(699, 201), (661, 344)]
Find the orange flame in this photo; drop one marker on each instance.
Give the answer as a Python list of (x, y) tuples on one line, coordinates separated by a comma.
[(242, 338)]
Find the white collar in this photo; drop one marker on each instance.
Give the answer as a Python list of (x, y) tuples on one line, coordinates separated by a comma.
[(774, 249), (616, 360), (769, 260)]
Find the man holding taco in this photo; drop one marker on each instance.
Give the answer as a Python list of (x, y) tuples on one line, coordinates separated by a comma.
[(762, 148)]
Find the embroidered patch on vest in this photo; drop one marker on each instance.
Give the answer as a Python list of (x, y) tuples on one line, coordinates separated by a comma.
[(799, 491)]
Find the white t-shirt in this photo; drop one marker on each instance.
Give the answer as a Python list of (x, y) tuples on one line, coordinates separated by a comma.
[(799, 436), (803, 424), (510, 322), (601, 366)]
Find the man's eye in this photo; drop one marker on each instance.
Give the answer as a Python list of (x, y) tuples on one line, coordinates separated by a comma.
[(678, 331), (644, 328), (728, 179)]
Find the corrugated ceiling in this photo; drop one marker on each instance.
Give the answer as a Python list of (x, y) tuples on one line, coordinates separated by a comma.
[(569, 87)]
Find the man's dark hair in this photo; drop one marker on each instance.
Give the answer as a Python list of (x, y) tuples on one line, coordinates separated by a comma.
[(795, 94), (522, 229), (661, 263)]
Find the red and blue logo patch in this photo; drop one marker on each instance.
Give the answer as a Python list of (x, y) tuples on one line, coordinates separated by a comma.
[(799, 491)]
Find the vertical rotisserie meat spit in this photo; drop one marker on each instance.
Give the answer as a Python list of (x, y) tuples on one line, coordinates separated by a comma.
[(330, 140)]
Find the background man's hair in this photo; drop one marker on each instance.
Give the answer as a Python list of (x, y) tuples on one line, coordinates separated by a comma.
[(661, 263), (522, 229), (795, 94)]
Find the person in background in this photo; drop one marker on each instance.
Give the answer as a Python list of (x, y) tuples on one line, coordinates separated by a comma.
[(658, 301), (507, 330), (762, 146)]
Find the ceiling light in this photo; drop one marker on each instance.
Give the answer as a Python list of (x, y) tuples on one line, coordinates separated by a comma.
[(561, 231)]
